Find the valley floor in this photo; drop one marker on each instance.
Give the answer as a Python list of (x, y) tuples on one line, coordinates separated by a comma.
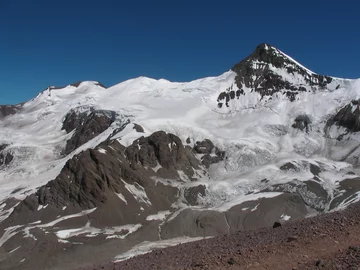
[(329, 241)]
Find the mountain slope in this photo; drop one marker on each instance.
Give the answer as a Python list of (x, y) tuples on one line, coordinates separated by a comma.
[(149, 160)]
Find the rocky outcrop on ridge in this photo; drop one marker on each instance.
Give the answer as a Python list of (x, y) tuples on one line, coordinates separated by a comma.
[(5, 156), (6, 110), (259, 72), (94, 177), (86, 126), (210, 153), (347, 117), (165, 151)]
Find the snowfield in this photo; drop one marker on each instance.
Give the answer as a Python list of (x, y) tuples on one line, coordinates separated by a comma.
[(255, 133)]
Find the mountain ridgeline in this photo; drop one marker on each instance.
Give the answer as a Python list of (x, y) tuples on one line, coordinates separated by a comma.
[(88, 169)]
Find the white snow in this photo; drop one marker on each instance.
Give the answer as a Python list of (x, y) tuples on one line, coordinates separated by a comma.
[(159, 216), (285, 217), (138, 192), (347, 202), (8, 233), (255, 207), (157, 167), (41, 207), (11, 231), (63, 241), (251, 197), (15, 249), (102, 151), (121, 197), (113, 232), (146, 247)]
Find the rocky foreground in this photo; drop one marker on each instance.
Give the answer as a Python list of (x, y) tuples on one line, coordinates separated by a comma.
[(329, 241)]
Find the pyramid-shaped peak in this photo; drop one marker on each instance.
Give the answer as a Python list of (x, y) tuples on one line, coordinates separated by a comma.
[(265, 46), (269, 54), (265, 71)]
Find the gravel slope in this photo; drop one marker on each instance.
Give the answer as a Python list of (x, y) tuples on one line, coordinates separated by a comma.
[(329, 241)]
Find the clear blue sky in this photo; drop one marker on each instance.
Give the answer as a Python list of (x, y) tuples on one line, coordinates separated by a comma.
[(57, 42)]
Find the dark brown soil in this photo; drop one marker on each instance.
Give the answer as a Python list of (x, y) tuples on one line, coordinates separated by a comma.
[(329, 241)]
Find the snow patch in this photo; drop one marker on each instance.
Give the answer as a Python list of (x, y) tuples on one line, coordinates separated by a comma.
[(159, 216), (114, 232), (102, 151), (121, 197), (146, 247), (285, 217), (138, 192)]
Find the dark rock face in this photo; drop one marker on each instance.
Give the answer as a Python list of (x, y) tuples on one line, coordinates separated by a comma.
[(348, 117), (255, 72), (91, 178), (121, 186), (3, 146), (289, 166), (311, 192), (6, 110), (209, 159), (302, 122), (164, 149), (87, 126), (211, 154), (204, 147), (346, 191), (191, 194), (227, 95), (277, 224), (138, 128), (94, 177), (8, 158), (5, 156), (266, 80)]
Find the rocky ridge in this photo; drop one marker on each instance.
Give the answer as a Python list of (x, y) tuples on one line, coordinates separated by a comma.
[(262, 72)]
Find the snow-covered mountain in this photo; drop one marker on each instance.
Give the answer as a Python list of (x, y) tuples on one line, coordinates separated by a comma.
[(86, 169)]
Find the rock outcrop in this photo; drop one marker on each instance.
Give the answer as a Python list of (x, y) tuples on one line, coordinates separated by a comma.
[(347, 117), (97, 177), (6, 110), (210, 153), (259, 64), (302, 122), (164, 151), (5, 156), (260, 73), (86, 126)]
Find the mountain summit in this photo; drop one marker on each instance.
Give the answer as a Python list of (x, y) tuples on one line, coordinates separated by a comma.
[(268, 71), (112, 171)]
